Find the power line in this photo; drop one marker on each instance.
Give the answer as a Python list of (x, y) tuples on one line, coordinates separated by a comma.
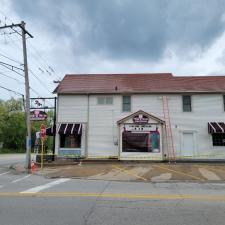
[(11, 69), (17, 93), (41, 82), (12, 66), (40, 58), (9, 58), (11, 78)]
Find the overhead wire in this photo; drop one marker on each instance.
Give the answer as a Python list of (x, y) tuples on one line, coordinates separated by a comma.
[(47, 67), (11, 90), (5, 75), (40, 81), (10, 58)]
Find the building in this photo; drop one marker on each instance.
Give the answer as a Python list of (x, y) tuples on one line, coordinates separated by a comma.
[(124, 116)]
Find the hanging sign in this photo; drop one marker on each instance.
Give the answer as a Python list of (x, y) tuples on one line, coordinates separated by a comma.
[(37, 115), (140, 119)]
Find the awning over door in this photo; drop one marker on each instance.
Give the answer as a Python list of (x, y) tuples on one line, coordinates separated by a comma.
[(69, 128), (216, 127)]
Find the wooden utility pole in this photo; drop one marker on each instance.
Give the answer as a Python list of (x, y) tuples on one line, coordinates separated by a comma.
[(27, 89)]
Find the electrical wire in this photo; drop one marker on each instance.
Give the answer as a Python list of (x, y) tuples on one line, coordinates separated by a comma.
[(17, 93), (10, 58), (5, 75)]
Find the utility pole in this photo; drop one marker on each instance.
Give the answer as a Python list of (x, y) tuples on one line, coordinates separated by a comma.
[(27, 89)]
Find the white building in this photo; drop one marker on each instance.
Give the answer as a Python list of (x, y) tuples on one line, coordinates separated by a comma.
[(122, 116)]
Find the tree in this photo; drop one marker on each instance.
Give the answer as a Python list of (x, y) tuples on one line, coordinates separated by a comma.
[(12, 124)]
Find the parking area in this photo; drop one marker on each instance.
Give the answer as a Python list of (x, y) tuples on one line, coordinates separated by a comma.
[(143, 172)]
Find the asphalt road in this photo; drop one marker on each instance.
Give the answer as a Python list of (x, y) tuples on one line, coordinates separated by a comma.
[(27, 199), (10, 159)]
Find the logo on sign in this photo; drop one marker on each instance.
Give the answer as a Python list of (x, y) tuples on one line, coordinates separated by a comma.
[(38, 115), (140, 119)]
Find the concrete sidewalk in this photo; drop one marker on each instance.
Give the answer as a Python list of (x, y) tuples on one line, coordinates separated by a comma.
[(144, 172)]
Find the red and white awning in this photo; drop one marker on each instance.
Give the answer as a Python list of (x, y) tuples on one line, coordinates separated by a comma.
[(69, 128), (216, 127)]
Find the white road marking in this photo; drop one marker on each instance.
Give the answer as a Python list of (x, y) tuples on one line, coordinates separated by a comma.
[(161, 177), (23, 178), (209, 175), (45, 186), (4, 173)]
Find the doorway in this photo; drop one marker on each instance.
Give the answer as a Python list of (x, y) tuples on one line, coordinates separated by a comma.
[(188, 144)]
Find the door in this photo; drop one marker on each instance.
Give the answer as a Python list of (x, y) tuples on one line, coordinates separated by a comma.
[(188, 144)]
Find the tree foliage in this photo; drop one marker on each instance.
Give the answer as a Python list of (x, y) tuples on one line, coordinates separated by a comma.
[(13, 124)]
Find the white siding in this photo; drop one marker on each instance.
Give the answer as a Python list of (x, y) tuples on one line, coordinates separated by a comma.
[(103, 130), (72, 108)]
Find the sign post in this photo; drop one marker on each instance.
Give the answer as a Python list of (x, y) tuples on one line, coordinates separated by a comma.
[(43, 136)]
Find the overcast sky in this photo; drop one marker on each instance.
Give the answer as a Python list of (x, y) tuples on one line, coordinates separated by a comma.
[(184, 37)]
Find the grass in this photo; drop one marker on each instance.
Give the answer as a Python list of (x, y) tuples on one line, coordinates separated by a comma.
[(11, 151)]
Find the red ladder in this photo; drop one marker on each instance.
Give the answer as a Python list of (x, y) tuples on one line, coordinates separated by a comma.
[(168, 131)]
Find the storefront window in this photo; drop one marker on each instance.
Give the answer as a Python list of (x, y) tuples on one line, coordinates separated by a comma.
[(155, 141), (140, 142), (70, 141)]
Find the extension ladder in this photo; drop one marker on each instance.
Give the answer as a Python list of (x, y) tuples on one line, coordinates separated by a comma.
[(168, 131)]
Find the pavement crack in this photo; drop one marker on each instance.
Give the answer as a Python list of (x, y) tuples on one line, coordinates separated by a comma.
[(92, 209)]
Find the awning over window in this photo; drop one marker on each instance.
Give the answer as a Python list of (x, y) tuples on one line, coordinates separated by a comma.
[(216, 127), (69, 128)]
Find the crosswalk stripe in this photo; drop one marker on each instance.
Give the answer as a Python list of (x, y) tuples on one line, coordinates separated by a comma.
[(45, 186), (23, 178), (4, 173)]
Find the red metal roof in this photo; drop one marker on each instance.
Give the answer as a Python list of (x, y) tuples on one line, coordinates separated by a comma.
[(139, 83)]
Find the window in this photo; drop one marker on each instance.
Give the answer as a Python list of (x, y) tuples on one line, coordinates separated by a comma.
[(126, 103), (186, 103), (140, 142), (70, 141), (218, 139), (105, 100)]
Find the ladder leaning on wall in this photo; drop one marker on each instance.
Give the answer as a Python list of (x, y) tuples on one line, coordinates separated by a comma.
[(168, 131)]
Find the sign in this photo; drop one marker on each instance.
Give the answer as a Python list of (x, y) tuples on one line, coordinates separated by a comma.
[(43, 131), (37, 103), (38, 115), (140, 119), (140, 127)]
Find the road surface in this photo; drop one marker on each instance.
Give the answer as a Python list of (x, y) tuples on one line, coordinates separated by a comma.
[(27, 199)]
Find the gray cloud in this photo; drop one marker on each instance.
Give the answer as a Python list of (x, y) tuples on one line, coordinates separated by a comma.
[(125, 29)]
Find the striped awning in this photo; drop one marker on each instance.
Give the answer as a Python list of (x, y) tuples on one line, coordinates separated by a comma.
[(69, 128), (216, 127)]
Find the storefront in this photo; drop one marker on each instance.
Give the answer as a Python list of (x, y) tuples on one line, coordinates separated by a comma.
[(71, 139), (140, 137)]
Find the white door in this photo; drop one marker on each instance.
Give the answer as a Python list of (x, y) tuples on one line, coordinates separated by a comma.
[(187, 147)]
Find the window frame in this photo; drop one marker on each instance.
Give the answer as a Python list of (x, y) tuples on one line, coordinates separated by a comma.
[(184, 104), (219, 143), (130, 104), (104, 98), (64, 136)]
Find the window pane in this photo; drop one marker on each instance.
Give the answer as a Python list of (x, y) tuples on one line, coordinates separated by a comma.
[(101, 100), (186, 103), (70, 141), (218, 139), (126, 108), (109, 100), (126, 103), (126, 99), (135, 142)]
